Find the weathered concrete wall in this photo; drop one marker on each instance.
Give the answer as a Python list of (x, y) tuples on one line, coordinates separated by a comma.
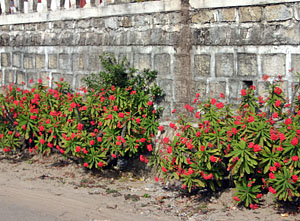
[(196, 46)]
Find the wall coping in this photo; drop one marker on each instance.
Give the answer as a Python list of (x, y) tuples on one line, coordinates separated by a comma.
[(101, 11), (197, 4), (127, 9)]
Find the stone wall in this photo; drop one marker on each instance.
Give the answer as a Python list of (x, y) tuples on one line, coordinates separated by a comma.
[(196, 46)]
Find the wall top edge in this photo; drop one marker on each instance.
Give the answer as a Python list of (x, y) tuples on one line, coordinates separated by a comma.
[(198, 4), (102, 11), (128, 9)]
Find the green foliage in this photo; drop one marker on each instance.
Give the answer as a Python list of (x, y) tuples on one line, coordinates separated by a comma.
[(257, 147), (114, 117)]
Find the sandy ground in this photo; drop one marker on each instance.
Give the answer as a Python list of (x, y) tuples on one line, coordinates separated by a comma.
[(53, 188)]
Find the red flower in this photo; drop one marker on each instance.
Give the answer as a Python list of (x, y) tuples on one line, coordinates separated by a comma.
[(208, 177), (24, 127), (79, 126), (161, 128), (277, 103), (121, 115), (243, 92), (173, 111), (271, 176), (294, 141), (73, 105), (114, 156), (265, 77), (256, 148), (213, 101), (85, 165), (99, 139), (253, 206), (42, 141), (164, 169), (272, 190), (149, 147), (138, 120), (277, 90), (172, 125), (295, 158), (220, 105), (92, 142), (78, 149), (236, 198), (222, 95), (149, 103), (112, 97), (156, 179), (274, 137), (212, 158), (100, 164), (110, 116), (288, 121), (258, 196), (166, 140), (251, 119), (275, 115), (295, 178)]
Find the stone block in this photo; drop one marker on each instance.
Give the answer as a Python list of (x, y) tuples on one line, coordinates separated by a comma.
[(162, 64), (64, 61), (277, 13), (182, 89), (9, 77), (175, 18), (126, 57), (234, 89), (83, 24), (94, 63), (181, 65), (1, 77), (227, 15), (247, 64), (224, 65), (203, 16), (167, 86), (202, 65), (82, 38), (78, 81), (56, 77), (273, 64), (157, 36), (31, 79), (17, 60), (250, 14), (45, 76), (5, 39), (126, 22), (69, 79), (28, 61), (40, 61), (199, 87), (142, 61), (52, 61), (262, 89), (67, 38), (158, 19), (111, 23), (42, 26), (166, 109), (78, 62), (30, 27), (296, 62), (215, 88), (297, 11), (98, 23), (5, 60), (20, 77)]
